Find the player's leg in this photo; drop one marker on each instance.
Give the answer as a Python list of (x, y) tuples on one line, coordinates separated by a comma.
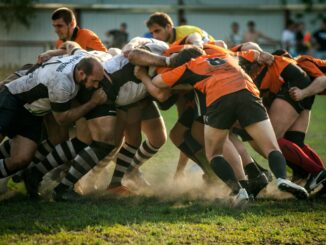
[(102, 125)]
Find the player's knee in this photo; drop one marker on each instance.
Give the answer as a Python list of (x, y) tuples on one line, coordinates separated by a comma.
[(20, 161), (176, 135), (159, 139)]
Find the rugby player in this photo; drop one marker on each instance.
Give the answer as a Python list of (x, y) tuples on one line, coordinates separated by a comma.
[(289, 118), (51, 87)]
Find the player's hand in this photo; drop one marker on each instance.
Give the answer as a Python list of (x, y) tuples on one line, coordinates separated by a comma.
[(43, 57), (127, 48), (99, 97), (296, 94), (265, 58), (140, 72)]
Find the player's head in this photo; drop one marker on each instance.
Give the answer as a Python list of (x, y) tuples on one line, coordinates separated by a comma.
[(235, 27), (161, 26), (123, 27), (186, 54), (251, 25), (89, 72), (64, 22), (282, 52)]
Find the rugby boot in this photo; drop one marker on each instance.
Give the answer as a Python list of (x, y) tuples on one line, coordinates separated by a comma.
[(288, 186), (64, 195), (138, 178), (32, 179), (316, 180), (119, 190), (240, 199), (255, 185)]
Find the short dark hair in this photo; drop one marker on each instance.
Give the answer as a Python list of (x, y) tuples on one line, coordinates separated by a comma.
[(87, 65), (282, 52), (289, 22), (251, 23), (66, 14), (186, 54), (160, 18)]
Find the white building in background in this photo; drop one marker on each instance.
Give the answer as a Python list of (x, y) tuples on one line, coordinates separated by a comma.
[(22, 45)]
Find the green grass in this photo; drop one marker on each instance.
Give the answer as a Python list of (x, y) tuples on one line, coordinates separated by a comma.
[(179, 219)]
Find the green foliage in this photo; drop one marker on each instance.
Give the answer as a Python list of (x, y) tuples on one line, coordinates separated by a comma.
[(20, 11)]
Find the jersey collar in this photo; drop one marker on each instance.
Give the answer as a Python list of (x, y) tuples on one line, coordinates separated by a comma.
[(74, 34)]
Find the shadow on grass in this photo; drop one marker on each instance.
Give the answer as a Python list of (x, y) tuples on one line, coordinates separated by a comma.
[(20, 215)]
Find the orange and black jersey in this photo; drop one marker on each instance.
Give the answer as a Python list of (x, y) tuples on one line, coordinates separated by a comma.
[(271, 78), (212, 48), (87, 39), (209, 48), (314, 67), (214, 75)]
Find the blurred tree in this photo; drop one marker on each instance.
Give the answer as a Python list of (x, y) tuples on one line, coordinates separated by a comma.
[(20, 11)]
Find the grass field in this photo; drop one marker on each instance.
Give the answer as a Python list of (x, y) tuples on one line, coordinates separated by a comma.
[(183, 214)]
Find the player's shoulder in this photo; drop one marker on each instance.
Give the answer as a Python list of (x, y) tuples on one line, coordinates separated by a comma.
[(86, 32), (188, 27)]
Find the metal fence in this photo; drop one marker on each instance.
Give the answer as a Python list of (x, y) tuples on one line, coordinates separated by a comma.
[(16, 53)]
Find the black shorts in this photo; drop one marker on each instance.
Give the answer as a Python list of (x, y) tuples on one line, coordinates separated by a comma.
[(151, 111), (104, 110), (187, 117), (294, 76), (195, 108), (241, 105), (16, 120)]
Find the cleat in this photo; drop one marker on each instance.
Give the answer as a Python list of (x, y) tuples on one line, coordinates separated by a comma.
[(138, 178), (240, 199), (319, 179), (287, 186), (32, 179), (66, 195), (255, 185), (308, 181), (265, 171), (119, 190)]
